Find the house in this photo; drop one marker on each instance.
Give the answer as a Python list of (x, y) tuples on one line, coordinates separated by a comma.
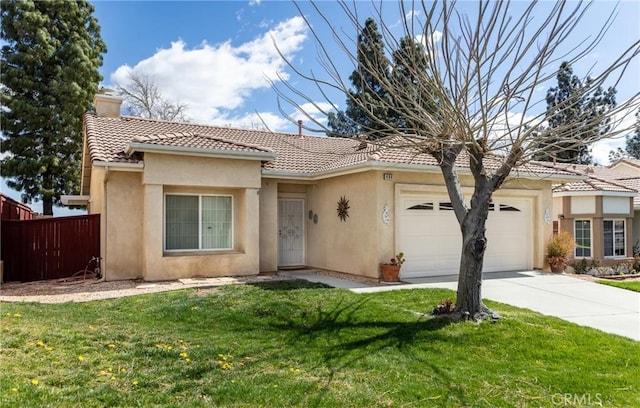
[(602, 211), (11, 209), (181, 200)]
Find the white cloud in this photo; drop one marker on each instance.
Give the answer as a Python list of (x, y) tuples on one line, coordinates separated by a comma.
[(313, 112), (623, 123), (427, 40), (600, 150), (309, 113), (215, 79), (411, 14), (259, 120)]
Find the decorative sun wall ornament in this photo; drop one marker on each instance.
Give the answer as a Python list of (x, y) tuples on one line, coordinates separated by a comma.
[(343, 208)]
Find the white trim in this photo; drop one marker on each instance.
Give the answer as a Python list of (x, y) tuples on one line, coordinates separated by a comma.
[(199, 249), (590, 237), (74, 199), (118, 166), (385, 166), (133, 147)]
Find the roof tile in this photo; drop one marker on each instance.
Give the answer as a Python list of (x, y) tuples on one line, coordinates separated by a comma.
[(108, 138)]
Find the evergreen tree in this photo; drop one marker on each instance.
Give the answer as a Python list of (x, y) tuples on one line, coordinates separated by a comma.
[(50, 58), (411, 95), (569, 103), (632, 144), (365, 112)]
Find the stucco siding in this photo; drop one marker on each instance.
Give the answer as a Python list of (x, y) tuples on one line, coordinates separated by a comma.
[(243, 259), (96, 191), (192, 171), (268, 226), (626, 169), (123, 221), (349, 246)]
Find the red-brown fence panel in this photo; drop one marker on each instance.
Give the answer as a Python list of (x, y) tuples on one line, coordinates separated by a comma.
[(48, 248)]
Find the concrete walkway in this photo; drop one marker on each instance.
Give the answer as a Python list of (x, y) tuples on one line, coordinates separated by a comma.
[(612, 310)]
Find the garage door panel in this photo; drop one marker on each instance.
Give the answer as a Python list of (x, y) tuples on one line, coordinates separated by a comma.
[(430, 237)]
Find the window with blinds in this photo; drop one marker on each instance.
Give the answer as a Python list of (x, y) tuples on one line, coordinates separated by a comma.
[(198, 222)]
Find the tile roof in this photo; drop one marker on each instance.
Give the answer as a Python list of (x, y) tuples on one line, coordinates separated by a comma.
[(634, 184), (601, 172), (592, 184), (108, 139), (197, 141), (599, 179), (629, 160)]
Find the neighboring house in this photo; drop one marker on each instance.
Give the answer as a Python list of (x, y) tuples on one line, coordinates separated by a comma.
[(181, 200), (602, 212), (11, 209)]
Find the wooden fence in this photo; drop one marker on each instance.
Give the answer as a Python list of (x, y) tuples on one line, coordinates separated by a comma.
[(48, 248)]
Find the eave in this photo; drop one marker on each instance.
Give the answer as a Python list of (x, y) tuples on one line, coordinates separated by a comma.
[(133, 147)]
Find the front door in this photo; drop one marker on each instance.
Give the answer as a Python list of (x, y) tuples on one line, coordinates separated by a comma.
[(290, 232)]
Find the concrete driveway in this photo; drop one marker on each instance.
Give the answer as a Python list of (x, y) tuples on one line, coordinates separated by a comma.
[(602, 307), (612, 310)]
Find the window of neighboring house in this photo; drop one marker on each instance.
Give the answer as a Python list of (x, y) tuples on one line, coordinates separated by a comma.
[(582, 235), (198, 222), (614, 238)]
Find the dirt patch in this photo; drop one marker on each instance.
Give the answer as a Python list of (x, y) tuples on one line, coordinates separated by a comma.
[(57, 287), (56, 291)]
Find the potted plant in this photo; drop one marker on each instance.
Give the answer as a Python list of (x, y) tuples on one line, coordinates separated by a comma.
[(391, 270), (559, 248)]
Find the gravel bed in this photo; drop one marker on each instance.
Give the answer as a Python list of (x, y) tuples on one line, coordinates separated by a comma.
[(55, 291)]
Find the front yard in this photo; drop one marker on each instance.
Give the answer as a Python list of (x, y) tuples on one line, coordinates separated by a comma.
[(629, 285), (297, 344)]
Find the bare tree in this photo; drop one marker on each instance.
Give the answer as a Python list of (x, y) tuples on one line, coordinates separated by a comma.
[(482, 72), (142, 97)]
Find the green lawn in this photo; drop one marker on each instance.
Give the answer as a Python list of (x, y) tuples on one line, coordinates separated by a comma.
[(283, 345), (634, 286)]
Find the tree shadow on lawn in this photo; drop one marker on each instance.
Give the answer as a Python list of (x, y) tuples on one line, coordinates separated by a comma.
[(356, 337)]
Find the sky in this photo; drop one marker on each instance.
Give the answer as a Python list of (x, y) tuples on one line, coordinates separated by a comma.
[(219, 58)]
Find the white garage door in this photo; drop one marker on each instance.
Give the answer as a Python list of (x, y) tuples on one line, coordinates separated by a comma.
[(430, 237)]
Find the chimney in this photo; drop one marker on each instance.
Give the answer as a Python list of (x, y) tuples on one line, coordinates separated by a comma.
[(107, 106), (300, 129)]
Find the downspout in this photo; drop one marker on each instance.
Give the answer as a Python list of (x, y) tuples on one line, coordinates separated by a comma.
[(103, 265)]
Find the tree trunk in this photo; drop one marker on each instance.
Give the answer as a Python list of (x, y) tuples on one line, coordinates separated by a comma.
[(47, 205), (474, 244), (47, 192)]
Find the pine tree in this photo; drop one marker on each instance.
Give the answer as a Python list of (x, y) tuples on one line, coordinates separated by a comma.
[(568, 103), (632, 144), (411, 95), (365, 112), (49, 65)]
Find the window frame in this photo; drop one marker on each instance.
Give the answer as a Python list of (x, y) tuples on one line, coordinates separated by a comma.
[(575, 237), (613, 240), (200, 216)]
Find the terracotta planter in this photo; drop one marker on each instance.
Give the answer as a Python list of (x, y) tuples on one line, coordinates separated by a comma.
[(390, 273), (557, 267)]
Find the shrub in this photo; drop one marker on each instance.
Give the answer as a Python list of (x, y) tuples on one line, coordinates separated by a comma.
[(560, 245), (581, 266)]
